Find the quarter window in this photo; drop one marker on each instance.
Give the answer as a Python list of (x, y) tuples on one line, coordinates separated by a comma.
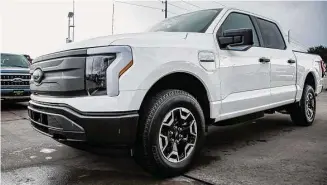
[(271, 35), (238, 21)]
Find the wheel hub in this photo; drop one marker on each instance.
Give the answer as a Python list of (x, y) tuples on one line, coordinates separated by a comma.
[(177, 135), (310, 106)]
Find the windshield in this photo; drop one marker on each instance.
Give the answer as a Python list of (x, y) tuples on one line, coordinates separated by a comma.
[(192, 22), (12, 60)]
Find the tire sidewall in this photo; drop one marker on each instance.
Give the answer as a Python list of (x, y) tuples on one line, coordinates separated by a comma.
[(168, 105)]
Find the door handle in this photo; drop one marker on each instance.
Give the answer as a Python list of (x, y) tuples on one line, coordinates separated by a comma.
[(291, 61), (264, 60)]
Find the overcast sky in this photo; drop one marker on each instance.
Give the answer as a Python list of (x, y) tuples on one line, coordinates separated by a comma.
[(36, 27)]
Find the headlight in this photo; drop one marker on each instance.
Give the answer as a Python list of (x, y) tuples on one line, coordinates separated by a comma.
[(104, 67), (96, 73)]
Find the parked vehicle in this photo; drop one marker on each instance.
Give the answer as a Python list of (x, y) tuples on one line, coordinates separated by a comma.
[(15, 77), (28, 58), (325, 83), (157, 92)]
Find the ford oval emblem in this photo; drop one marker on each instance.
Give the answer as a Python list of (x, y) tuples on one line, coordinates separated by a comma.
[(37, 75), (17, 80)]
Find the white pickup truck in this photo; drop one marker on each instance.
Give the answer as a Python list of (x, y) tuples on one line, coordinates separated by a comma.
[(157, 92)]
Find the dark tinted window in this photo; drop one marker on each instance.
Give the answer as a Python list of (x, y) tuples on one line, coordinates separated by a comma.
[(12, 60), (192, 22), (271, 35), (237, 21)]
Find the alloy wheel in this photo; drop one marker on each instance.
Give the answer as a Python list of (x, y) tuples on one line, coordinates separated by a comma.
[(310, 106), (178, 135)]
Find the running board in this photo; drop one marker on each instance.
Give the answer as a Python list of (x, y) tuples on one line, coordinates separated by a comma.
[(240, 119)]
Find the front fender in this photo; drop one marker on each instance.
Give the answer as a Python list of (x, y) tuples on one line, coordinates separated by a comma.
[(208, 79)]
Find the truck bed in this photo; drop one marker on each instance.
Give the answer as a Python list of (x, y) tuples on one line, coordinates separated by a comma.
[(305, 62)]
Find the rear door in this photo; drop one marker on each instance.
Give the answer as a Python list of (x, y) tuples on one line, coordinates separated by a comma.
[(282, 60), (245, 79)]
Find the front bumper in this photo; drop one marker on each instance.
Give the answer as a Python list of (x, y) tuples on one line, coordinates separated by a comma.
[(64, 123), (14, 98)]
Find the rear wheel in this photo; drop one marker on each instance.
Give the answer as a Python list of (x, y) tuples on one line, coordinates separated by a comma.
[(171, 133), (303, 113)]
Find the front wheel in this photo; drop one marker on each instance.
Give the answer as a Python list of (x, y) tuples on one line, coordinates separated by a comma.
[(303, 113), (171, 133)]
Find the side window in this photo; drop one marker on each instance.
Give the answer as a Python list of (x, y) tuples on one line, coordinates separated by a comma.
[(271, 35), (237, 21)]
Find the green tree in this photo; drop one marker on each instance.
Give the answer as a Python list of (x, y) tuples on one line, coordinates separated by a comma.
[(319, 50)]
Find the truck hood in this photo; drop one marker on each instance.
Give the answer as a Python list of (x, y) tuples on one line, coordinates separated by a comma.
[(14, 70), (135, 38)]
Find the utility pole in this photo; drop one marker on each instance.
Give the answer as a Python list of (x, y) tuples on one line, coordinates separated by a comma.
[(112, 17), (166, 9), (71, 25)]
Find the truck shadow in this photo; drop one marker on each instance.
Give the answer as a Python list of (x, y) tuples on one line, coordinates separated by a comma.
[(11, 106), (227, 139), (222, 140)]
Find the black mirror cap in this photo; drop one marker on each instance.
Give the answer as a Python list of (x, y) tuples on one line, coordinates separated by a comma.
[(236, 37)]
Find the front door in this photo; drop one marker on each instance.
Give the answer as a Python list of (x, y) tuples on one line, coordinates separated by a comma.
[(245, 77)]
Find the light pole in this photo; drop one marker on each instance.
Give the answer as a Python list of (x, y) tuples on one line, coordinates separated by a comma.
[(166, 9), (113, 17), (71, 25)]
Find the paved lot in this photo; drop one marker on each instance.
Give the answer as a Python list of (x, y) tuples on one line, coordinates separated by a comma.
[(268, 151)]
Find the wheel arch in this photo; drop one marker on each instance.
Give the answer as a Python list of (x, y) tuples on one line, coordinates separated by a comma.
[(181, 80), (310, 79)]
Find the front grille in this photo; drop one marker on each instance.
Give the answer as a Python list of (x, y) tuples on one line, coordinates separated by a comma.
[(12, 76), (15, 79), (15, 83), (62, 75)]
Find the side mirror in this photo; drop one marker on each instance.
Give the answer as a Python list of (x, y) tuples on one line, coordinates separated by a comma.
[(236, 37)]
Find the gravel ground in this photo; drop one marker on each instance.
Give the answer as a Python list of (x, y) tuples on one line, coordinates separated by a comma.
[(268, 151)]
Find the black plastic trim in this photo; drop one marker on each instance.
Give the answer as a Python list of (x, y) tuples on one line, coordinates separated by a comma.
[(110, 129), (257, 29), (61, 93)]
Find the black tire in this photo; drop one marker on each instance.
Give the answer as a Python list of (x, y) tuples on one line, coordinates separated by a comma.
[(298, 111), (147, 151)]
